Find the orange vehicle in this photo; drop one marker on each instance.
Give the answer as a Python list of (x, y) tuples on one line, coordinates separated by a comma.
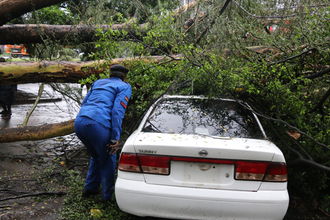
[(14, 50)]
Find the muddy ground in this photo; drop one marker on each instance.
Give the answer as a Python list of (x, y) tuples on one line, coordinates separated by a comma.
[(26, 192), (31, 186)]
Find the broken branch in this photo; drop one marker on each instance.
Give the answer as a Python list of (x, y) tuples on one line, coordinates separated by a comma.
[(33, 133), (34, 194)]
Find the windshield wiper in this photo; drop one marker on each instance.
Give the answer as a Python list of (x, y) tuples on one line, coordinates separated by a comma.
[(211, 136), (152, 127)]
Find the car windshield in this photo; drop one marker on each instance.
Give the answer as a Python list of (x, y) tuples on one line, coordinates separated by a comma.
[(210, 117)]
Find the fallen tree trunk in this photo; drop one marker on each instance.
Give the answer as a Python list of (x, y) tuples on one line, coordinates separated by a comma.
[(65, 34), (32, 133), (46, 71), (72, 72), (10, 9), (64, 71)]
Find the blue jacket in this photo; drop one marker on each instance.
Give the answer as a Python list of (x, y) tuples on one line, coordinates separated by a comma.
[(106, 103)]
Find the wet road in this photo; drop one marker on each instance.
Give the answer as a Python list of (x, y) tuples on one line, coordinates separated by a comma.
[(45, 113), (50, 112), (22, 163)]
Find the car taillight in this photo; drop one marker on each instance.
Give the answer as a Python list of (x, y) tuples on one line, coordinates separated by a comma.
[(155, 164), (144, 163), (129, 162), (262, 171), (244, 170), (276, 172)]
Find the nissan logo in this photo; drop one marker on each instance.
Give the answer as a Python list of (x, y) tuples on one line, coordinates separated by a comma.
[(203, 153)]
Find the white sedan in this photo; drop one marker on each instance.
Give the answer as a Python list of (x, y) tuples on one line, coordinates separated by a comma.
[(198, 158)]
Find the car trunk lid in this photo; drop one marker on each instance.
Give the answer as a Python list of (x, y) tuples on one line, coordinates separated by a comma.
[(202, 161)]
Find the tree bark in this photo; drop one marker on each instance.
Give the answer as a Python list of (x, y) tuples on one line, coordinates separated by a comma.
[(46, 71), (70, 34), (185, 8), (65, 34), (10, 9), (63, 71), (32, 133)]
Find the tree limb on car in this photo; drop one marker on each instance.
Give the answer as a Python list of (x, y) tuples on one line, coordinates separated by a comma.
[(302, 159), (285, 123), (318, 74), (303, 156)]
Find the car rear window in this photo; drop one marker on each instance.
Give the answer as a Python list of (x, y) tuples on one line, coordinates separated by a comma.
[(211, 117)]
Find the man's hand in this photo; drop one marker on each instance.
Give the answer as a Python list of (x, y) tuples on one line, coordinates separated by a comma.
[(113, 147)]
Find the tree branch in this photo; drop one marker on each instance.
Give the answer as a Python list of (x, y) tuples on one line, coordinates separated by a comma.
[(301, 159), (323, 99), (33, 133), (283, 138), (63, 71), (185, 8), (307, 52), (262, 17), (58, 89), (10, 9), (285, 123), (318, 74), (276, 16), (222, 10), (35, 33), (29, 113)]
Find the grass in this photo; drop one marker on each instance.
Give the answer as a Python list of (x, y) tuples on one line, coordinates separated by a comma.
[(77, 207)]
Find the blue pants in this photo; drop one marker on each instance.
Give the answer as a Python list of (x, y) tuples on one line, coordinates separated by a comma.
[(102, 165)]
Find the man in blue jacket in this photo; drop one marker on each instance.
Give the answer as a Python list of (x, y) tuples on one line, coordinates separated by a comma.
[(98, 124)]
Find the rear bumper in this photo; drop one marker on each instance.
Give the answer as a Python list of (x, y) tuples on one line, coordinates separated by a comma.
[(142, 199)]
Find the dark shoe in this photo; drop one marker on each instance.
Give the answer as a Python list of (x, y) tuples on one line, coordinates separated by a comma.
[(6, 116), (5, 112), (89, 193)]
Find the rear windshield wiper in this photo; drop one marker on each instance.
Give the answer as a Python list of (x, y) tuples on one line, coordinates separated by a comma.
[(151, 127), (211, 136)]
